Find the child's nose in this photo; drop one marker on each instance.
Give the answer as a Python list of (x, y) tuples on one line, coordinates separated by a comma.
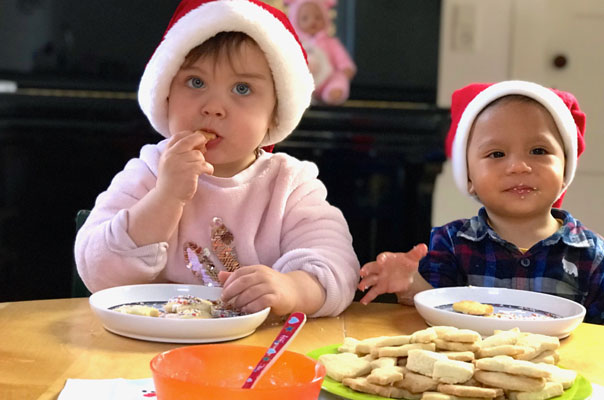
[(213, 107), (518, 165)]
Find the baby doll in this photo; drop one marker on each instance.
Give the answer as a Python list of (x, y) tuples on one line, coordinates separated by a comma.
[(329, 62)]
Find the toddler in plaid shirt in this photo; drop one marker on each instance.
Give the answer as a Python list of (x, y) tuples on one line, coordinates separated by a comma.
[(514, 147)]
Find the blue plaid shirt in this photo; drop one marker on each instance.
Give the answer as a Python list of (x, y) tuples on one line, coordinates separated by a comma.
[(569, 264)]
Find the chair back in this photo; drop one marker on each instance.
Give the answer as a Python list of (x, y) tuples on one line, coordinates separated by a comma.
[(78, 289)]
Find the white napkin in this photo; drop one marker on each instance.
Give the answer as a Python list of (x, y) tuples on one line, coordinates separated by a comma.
[(124, 389), (108, 389), (143, 389), (597, 391)]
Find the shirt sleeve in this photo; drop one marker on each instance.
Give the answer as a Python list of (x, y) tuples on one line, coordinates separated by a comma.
[(440, 266), (105, 254), (316, 239), (594, 303)]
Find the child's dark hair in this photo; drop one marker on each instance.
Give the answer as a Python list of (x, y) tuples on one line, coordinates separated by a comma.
[(509, 99), (223, 43)]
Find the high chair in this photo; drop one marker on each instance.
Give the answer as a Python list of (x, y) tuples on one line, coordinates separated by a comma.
[(78, 289)]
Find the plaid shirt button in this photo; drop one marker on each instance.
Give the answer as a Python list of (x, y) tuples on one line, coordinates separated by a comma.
[(525, 262)]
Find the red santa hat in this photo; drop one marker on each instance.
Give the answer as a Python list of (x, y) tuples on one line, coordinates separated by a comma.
[(469, 101), (194, 22)]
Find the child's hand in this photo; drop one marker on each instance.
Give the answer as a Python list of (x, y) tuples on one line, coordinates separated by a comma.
[(181, 164), (255, 287), (349, 72), (390, 273)]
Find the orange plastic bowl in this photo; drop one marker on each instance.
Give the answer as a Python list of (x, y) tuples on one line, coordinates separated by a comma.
[(217, 371)]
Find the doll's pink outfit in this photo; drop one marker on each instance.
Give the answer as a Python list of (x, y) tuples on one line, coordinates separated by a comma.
[(327, 57)]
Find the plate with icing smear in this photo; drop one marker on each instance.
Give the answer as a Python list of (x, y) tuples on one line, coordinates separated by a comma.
[(529, 311), (169, 330)]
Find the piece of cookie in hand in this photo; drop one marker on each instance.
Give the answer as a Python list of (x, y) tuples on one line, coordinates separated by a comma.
[(472, 307), (209, 136)]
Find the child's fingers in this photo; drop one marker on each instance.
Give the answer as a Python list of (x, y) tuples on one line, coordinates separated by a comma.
[(186, 141), (370, 268), (248, 293), (177, 137), (230, 289), (384, 257), (371, 295), (207, 168), (258, 304), (255, 298), (367, 282), (418, 252), (237, 282), (223, 277), (409, 260)]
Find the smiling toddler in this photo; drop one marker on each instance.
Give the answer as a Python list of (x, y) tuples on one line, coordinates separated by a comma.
[(514, 147)]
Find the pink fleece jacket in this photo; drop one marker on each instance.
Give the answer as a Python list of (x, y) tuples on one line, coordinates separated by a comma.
[(276, 210)]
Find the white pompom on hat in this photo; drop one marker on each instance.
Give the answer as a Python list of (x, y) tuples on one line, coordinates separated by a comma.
[(470, 100), (194, 22)]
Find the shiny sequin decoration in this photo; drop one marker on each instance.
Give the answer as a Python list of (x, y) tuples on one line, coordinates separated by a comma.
[(223, 245), (198, 259)]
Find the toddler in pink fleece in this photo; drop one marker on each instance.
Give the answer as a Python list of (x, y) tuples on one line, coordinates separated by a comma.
[(228, 78), (329, 62)]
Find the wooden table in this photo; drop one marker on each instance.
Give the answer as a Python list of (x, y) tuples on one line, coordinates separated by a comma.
[(48, 341)]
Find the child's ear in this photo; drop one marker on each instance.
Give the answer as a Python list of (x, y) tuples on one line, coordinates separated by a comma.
[(272, 125), (471, 189), (274, 120)]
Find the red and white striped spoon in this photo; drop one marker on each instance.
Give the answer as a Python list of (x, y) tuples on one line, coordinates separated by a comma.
[(292, 326)]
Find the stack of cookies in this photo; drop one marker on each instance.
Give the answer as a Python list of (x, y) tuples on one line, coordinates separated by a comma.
[(446, 363)]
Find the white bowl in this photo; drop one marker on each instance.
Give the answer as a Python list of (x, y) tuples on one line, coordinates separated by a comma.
[(169, 329), (569, 314)]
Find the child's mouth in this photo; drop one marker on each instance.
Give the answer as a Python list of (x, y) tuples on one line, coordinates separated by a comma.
[(521, 189)]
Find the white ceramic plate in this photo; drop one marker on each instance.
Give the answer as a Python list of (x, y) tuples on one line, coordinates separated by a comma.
[(433, 307), (167, 329)]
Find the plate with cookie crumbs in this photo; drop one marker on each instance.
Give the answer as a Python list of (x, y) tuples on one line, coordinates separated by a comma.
[(444, 362), (486, 309), (172, 313)]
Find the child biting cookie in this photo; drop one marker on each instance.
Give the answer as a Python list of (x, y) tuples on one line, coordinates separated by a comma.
[(228, 79)]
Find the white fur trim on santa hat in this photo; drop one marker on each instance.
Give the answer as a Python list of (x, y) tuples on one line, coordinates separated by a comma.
[(293, 80), (550, 100)]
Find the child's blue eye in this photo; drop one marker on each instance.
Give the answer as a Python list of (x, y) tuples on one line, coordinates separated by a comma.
[(195, 83), (539, 151), (241, 88), (496, 154)]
